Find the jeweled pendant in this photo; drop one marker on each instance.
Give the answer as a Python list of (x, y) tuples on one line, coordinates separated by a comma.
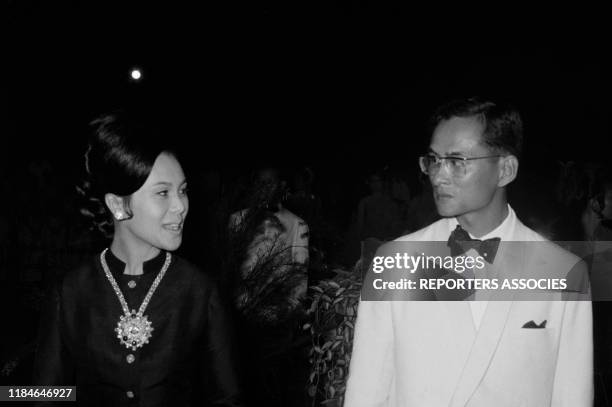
[(133, 330)]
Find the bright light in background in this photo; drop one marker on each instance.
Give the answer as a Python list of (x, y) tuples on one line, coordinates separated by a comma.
[(136, 74)]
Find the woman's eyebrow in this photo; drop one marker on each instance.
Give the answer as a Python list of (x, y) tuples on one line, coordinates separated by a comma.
[(168, 183)]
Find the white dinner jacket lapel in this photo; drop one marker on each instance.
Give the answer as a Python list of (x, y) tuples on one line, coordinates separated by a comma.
[(493, 322)]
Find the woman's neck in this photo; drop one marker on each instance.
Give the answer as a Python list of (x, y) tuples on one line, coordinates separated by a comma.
[(132, 254)]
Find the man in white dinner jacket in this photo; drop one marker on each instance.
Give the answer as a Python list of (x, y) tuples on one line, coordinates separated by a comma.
[(474, 353)]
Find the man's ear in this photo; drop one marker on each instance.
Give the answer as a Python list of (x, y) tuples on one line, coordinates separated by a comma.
[(116, 204), (508, 170)]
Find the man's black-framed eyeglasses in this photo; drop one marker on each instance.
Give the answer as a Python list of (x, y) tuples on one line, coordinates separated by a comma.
[(431, 163)]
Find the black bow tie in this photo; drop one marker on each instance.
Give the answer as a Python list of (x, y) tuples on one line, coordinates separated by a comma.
[(460, 242)]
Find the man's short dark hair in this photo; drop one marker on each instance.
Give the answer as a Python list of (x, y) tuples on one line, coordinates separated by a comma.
[(503, 125)]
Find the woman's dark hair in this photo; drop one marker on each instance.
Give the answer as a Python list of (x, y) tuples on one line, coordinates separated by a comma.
[(120, 155)]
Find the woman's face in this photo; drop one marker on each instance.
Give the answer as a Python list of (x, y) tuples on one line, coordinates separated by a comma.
[(160, 206)]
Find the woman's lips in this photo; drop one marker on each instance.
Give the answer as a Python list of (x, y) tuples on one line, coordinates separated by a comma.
[(443, 195), (174, 227)]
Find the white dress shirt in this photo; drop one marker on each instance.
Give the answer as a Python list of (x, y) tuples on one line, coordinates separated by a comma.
[(479, 306)]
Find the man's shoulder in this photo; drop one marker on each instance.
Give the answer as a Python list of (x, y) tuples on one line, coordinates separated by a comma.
[(524, 233), (547, 259), (551, 252), (545, 248)]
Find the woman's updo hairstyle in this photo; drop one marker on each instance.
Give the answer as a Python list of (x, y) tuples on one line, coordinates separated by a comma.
[(119, 157)]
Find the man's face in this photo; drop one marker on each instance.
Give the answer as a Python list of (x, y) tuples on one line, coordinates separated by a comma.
[(457, 195)]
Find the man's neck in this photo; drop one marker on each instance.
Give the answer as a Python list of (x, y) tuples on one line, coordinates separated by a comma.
[(481, 223), (132, 253)]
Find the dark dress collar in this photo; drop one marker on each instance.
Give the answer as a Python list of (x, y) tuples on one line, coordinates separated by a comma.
[(117, 267)]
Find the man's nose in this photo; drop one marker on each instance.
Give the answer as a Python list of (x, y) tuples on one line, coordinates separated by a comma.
[(441, 175)]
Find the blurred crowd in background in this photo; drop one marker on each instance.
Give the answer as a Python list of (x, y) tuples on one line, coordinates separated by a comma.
[(343, 215)]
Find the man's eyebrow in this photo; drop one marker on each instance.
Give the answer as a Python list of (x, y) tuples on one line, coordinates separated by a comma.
[(450, 154), (457, 153)]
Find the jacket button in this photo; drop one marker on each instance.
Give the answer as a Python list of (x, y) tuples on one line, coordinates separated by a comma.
[(131, 283), (130, 394), (130, 358)]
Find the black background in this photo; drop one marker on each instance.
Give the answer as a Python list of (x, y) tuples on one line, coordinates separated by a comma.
[(342, 86), (316, 82)]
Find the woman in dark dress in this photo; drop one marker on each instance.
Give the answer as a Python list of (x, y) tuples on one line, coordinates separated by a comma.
[(137, 325)]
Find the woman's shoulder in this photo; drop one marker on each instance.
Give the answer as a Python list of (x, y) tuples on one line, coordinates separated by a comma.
[(78, 278), (188, 271)]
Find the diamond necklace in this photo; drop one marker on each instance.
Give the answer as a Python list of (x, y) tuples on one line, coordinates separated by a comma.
[(134, 328)]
